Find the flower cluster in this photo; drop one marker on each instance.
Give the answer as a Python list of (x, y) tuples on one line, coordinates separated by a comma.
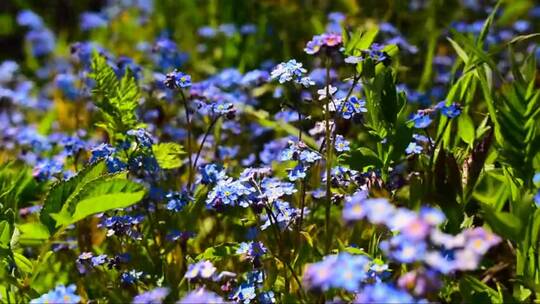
[(291, 71), (343, 271), (329, 40), (60, 294)]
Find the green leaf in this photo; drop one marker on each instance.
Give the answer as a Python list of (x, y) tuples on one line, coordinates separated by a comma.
[(475, 291), (218, 252), (168, 155), (104, 195), (5, 234), (116, 99), (23, 263), (33, 231), (361, 159), (460, 52), (60, 192), (466, 129), (504, 224)]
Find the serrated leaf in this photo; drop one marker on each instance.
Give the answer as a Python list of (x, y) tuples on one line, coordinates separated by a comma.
[(116, 99), (101, 196), (168, 155), (60, 192)]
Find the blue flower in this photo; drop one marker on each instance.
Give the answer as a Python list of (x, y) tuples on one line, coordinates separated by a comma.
[(41, 41), (354, 209), (341, 144), (30, 19), (248, 29), (309, 156), (66, 83), (91, 20), (176, 235), (99, 260), (252, 250), (61, 294), (267, 297), (47, 168), (298, 172), (272, 188), (122, 225), (130, 277), (206, 32), (144, 139), (383, 293), (421, 120), (451, 111), (291, 71), (353, 106), (228, 29), (211, 174), (378, 210), (166, 54), (244, 293), (403, 249), (178, 79), (413, 148), (228, 192), (176, 201), (284, 213)]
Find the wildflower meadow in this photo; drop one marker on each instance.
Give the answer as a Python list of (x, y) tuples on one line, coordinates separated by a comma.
[(264, 151)]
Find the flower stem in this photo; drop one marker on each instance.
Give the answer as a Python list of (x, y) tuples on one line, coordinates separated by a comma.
[(328, 158), (190, 166), (205, 136)]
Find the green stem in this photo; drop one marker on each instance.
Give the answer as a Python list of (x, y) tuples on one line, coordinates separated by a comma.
[(212, 124), (190, 166), (328, 158)]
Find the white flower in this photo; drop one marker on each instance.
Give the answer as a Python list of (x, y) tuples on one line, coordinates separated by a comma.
[(322, 92)]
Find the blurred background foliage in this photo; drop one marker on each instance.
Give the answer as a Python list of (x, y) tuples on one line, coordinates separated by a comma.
[(283, 26)]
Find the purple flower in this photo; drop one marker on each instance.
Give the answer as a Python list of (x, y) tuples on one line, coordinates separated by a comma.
[(344, 271), (354, 209), (202, 269), (318, 41), (156, 295), (383, 293), (201, 296)]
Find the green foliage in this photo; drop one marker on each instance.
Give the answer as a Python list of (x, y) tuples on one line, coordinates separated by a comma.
[(117, 99), (168, 155), (89, 192)]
